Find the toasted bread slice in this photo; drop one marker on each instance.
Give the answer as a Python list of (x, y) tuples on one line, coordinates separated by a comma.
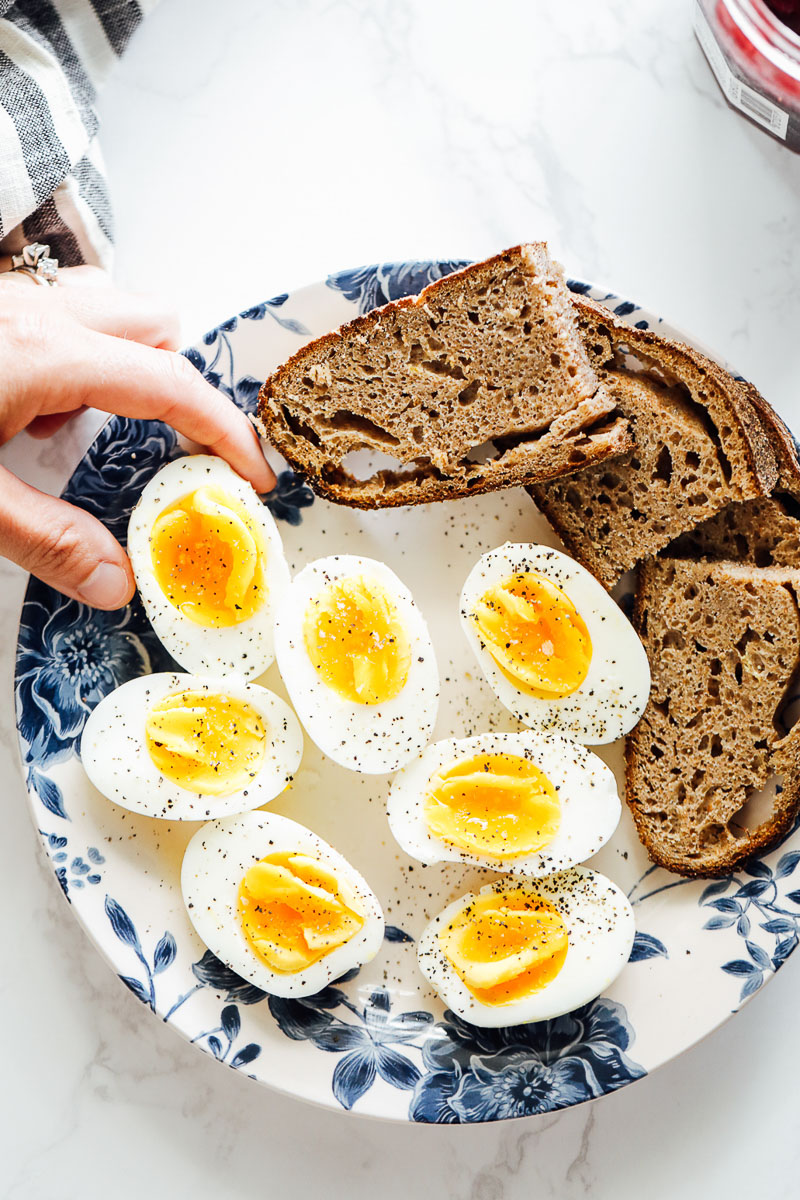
[(764, 531), (699, 446), (480, 382), (723, 640)]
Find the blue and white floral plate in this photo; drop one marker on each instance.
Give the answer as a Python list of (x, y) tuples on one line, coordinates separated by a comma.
[(379, 1042)]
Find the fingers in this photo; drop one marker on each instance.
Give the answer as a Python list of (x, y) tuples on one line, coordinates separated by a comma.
[(68, 277), (62, 546), (141, 318), (50, 364), (83, 276), (138, 381), (87, 295)]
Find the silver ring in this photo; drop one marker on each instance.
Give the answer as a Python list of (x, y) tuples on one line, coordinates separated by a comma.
[(35, 261)]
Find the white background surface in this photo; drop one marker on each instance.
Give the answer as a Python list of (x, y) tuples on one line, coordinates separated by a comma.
[(254, 146)]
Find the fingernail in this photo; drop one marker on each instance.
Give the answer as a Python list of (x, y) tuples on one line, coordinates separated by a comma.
[(106, 587)]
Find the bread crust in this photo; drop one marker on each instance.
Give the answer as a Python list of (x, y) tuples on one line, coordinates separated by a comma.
[(764, 838), (783, 444), (418, 488)]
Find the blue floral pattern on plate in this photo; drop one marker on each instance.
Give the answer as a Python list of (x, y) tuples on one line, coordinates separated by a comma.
[(289, 497), (218, 1040), (368, 1044), (370, 287), (68, 658), (756, 898), (493, 1074), (124, 457), (375, 1051)]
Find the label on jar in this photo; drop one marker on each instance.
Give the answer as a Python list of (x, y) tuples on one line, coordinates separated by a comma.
[(737, 92)]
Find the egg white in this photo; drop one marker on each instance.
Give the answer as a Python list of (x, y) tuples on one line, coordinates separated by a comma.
[(614, 693), (217, 859), (370, 738), (116, 759), (246, 649), (586, 787), (600, 928)]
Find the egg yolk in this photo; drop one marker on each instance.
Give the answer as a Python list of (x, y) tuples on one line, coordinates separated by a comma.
[(506, 945), (535, 634), (209, 558), (294, 910), (500, 805), (356, 641), (206, 743)]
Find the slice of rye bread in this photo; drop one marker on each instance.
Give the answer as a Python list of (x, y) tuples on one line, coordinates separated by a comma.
[(491, 352), (723, 640), (699, 445), (764, 531)]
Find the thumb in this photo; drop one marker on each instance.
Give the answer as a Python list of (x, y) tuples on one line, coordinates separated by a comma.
[(62, 545)]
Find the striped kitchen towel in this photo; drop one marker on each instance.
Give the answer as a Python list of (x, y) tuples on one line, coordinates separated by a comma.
[(54, 57)]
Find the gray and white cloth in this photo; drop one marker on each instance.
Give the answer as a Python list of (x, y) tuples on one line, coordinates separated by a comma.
[(55, 55)]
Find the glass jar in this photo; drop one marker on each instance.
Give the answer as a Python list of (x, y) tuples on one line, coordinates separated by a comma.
[(756, 58)]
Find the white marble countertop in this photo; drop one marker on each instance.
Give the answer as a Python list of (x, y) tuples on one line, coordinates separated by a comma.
[(254, 147)]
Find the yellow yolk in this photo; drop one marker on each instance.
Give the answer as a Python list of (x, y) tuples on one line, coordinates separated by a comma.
[(505, 946), (294, 910), (535, 634), (500, 805), (209, 558), (356, 641), (207, 743)]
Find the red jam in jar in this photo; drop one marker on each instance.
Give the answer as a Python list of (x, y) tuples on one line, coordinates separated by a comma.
[(753, 47), (788, 11)]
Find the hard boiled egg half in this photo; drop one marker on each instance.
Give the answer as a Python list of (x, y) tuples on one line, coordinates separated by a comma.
[(555, 648), (357, 660), (526, 803), (277, 904), (514, 953), (209, 566), (185, 748)]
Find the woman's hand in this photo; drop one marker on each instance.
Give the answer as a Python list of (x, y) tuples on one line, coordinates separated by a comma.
[(85, 344)]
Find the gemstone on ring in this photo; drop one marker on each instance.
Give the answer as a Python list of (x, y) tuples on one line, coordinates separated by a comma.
[(35, 260)]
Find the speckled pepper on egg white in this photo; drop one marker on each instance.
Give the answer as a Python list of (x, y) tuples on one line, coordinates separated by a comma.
[(246, 649), (614, 693)]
